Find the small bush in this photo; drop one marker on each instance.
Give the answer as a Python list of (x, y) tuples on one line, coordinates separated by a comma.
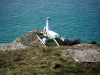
[(3, 63), (93, 42), (56, 65), (73, 42)]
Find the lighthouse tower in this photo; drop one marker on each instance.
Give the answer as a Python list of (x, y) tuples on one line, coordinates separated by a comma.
[(47, 24), (49, 32)]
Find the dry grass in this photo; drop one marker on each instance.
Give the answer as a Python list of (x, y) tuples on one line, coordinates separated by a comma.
[(44, 61)]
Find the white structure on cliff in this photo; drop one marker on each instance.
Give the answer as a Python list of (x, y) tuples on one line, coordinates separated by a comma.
[(49, 32)]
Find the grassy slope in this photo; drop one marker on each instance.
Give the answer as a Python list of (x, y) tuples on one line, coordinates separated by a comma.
[(44, 61)]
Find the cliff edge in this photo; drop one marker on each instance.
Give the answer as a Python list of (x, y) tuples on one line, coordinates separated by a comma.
[(30, 39)]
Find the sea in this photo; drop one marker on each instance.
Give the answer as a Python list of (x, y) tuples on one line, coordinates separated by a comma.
[(72, 19)]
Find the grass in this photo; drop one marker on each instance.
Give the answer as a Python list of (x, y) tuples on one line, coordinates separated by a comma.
[(44, 61), (61, 43), (51, 43)]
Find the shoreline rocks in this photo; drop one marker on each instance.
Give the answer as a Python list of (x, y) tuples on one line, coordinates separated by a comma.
[(12, 46)]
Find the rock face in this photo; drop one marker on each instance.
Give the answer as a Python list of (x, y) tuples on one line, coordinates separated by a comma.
[(85, 55), (30, 39), (27, 40), (12, 46)]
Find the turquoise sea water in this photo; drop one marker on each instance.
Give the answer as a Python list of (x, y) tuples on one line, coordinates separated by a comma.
[(70, 18)]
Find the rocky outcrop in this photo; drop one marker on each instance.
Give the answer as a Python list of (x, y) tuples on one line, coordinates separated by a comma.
[(30, 39), (27, 40), (89, 55), (12, 46)]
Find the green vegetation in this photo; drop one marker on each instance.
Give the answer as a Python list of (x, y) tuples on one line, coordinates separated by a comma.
[(44, 61), (51, 43), (61, 43)]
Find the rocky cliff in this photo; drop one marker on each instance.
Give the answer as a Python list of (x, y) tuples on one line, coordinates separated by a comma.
[(27, 40)]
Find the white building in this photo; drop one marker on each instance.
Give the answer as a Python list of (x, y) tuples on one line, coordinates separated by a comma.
[(49, 32)]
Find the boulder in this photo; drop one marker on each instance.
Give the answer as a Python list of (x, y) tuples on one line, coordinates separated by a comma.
[(85, 55)]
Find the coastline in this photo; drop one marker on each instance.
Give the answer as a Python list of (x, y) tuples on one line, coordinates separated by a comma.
[(31, 40)]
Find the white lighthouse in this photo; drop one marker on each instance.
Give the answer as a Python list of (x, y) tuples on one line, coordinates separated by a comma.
[(49, 32), (47, 23)]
